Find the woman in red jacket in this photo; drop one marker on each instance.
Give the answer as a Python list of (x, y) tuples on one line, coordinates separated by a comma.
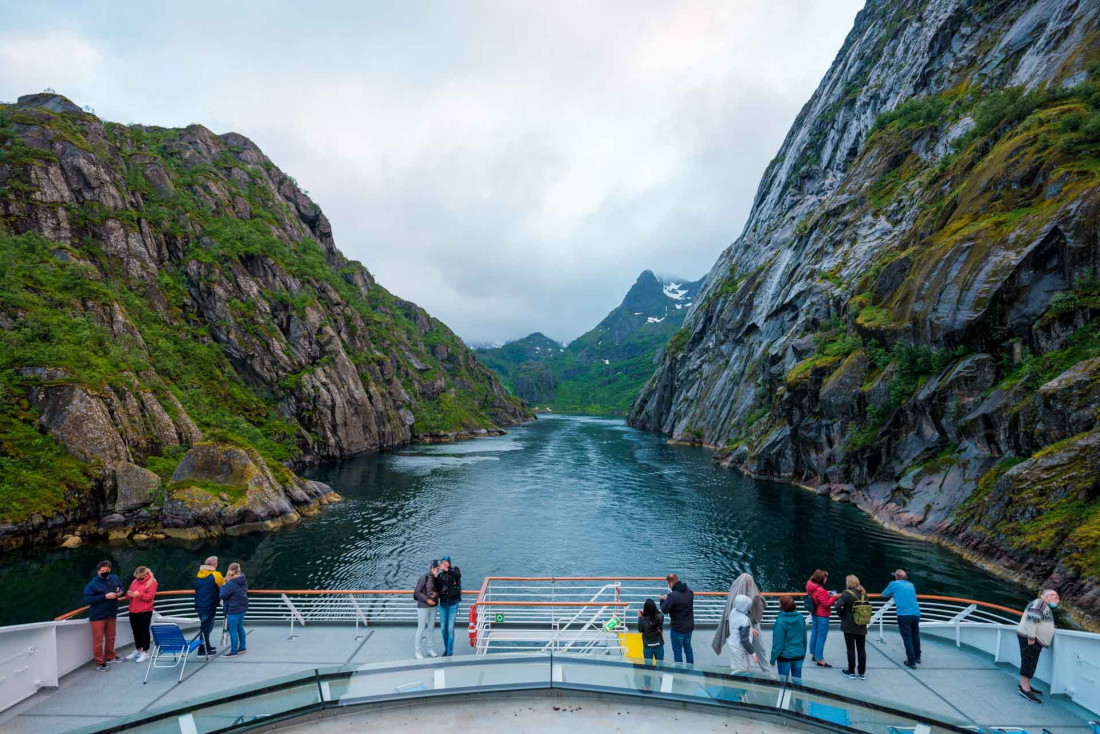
[(142, 594), (822, 603)]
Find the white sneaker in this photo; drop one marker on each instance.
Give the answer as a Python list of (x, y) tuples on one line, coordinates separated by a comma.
[(141, 658), (133, 655), (432, 653), (419, 655)]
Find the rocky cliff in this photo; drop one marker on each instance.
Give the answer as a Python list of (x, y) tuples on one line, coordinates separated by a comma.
[(909, 319), (178, 331)]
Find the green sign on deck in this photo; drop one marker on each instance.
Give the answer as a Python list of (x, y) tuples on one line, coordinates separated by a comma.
[(499, 618), (612, 624)]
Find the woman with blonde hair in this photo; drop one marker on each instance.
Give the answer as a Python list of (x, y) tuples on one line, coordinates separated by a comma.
[(234, 595), (142, 595), (855, 614)]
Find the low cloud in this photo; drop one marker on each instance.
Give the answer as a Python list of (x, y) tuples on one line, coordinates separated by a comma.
[(511, 167)]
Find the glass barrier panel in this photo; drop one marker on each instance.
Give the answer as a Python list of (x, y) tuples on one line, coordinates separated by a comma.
[(250, 710), (814, 705), (386, 681), (171, 725)]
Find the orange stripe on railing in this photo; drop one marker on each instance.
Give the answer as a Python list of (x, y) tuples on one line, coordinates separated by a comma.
[(489, 579)]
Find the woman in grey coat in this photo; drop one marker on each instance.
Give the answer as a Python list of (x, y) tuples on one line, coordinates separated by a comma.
[(745, 585)]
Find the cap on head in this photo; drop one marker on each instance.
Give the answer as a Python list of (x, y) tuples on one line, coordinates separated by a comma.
[(445, 559)]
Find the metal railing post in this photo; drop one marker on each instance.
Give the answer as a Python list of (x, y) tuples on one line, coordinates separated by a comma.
[(881, 615), (293, 614), (358, 616)]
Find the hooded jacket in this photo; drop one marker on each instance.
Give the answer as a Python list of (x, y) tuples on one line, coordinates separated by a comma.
[(844, 608), (823, 600), (234, 594), (740, 642), (789, 637), (207, 583), (1037, 622), (680, 606), (653, 635), (95, 596), (142, 594)]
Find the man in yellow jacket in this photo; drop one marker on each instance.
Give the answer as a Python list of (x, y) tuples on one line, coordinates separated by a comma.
[(207, 583)]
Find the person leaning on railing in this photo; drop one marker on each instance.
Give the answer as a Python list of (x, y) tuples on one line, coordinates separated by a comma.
[(679, 605), (1035, 631), (904, 594)]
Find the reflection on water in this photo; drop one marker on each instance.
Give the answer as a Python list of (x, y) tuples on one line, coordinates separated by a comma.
[(564, 496)]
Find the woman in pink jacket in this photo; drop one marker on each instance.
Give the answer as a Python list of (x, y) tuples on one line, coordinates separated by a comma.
[(822, 602), (142, 594)]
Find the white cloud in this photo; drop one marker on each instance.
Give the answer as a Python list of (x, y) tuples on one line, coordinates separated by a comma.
[(512, 167)]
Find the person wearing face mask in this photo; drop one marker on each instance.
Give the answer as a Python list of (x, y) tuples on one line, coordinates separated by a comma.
[(101, 595), (1035, 631), (142, 593)]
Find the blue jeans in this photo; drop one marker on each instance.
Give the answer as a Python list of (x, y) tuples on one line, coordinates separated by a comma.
[(909, 627), (653, 653), (448, 610), (818, 632), (792, 668), (235, 622), (681, 647), (206, 625)]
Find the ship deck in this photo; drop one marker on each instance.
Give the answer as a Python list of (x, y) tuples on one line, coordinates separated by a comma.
[(955, 684)]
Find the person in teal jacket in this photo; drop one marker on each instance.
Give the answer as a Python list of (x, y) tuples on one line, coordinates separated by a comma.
[(789, 640)]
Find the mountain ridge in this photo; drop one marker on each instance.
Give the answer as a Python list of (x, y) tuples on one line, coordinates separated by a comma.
[(179, 328), (908, 319)]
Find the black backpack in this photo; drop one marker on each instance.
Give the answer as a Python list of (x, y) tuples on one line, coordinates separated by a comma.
[(808, 603)]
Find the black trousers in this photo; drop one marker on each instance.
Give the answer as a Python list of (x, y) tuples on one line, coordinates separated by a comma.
[(139, 623), (1029, 656), (857, 652)]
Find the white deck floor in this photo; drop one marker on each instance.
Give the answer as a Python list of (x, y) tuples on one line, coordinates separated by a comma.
[(952, 683)]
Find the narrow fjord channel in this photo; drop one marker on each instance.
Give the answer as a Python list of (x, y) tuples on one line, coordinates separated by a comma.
[(566, 495)]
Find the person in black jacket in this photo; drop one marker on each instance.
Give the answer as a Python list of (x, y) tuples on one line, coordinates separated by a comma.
[(855, 635), (448, 585), (679, 604), (234, 596), (651, 624), (101, 595)]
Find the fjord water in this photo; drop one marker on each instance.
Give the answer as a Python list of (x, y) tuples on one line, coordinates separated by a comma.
[(564, 496)]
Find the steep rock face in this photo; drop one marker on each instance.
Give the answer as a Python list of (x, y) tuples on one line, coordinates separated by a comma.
[(600, 371), (912, 304), (162, 286)]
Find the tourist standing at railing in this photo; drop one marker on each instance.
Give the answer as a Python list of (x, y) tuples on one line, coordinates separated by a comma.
[(207, 600), (904, 594), (741, 642), (855, 614), (234, 596), (101, 595), (1035, 631), (788, 640), (820, 602), (651, 624), (679, 605), (142, 595), (449, 587), (426, 610)]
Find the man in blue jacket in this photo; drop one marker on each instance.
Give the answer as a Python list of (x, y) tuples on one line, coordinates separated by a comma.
[(101, 595), (208, 583), (904, 594)]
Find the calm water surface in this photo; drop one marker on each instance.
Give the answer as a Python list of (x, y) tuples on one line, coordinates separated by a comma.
[(564, 496)]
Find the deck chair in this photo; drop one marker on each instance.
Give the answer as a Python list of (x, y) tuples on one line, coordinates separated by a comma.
[(1016, 730), (168, 641), (825, 712), (1095, 727)]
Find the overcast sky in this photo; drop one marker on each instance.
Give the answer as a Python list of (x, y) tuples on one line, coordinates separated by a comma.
[(510, 166)]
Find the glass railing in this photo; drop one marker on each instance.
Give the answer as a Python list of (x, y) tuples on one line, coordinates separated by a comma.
[(332, 689)]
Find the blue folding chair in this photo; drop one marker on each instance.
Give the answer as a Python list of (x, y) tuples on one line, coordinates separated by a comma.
[(1095, 727), (168, 641), (1016, 730), (825, 712)]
